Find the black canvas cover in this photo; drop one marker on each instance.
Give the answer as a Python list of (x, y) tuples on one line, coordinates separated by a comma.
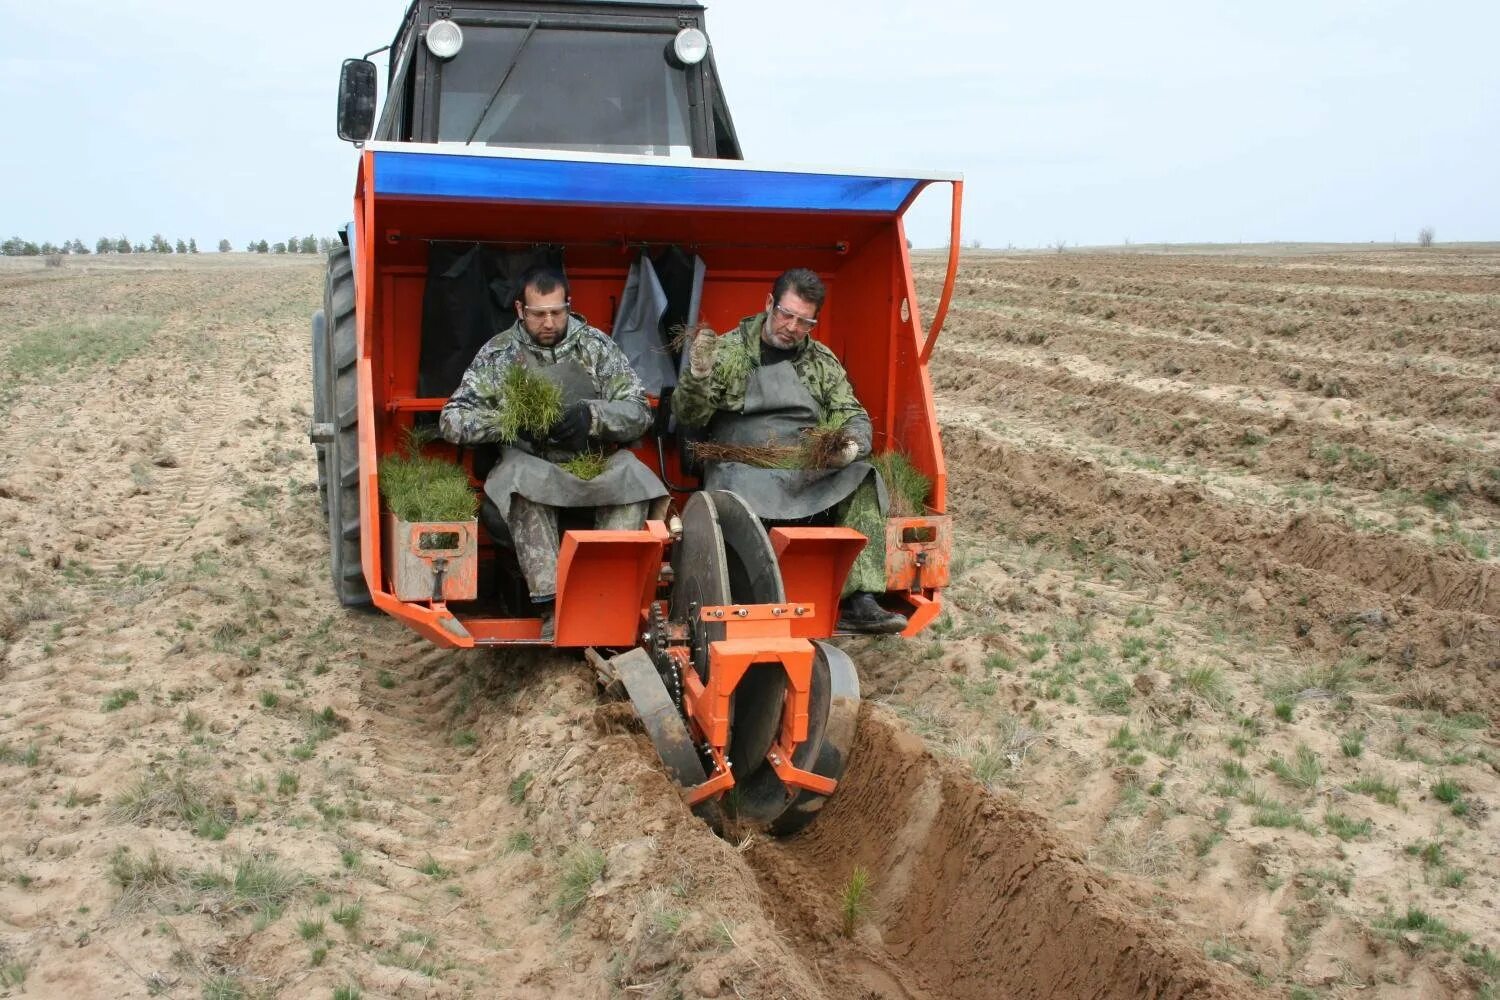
[(470, 289)]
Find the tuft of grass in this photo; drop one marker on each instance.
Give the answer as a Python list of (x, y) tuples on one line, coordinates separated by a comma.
[(1273, 813), (1379, 789), (223, 987), (1431, 852), (127, 872), (1124, 740), (1342, 881), (119, 698), (464, 738), (287, 783), (432, 869), (519, 785), (258, 885), (1302, 771), (1346, 827), (269, 699), (347, 915), (13, 974), (668, 921), (1452, 878), (581, 868), (159, 795), (1283, 709), (1112, 694), (348, 991), (147, 881), (1447, 791), (854, 901), (310, 930), (519, 842), (1352, 744), (1206, 682), (1432, 930)]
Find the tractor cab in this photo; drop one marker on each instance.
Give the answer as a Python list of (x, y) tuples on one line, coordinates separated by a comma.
[(633, 77)]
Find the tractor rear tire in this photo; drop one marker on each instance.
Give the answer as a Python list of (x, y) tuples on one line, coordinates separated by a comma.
[(342, 462)]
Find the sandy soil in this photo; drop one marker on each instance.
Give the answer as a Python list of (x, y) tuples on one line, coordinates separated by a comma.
[(1178, 565)]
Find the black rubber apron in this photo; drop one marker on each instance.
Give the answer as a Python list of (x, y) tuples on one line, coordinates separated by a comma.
[(778, 408), (624, 479)]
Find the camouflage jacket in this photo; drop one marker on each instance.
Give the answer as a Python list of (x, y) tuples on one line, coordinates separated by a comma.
[(696, 400), (619, 414)]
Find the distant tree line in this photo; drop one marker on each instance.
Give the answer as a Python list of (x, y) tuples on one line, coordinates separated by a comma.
[(18, 247), (303, 244)]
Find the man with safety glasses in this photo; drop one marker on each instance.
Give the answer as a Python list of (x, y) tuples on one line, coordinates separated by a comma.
[(604, 406), (765, 383)]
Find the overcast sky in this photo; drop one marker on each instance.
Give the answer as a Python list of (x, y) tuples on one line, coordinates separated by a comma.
[(1082, 122)]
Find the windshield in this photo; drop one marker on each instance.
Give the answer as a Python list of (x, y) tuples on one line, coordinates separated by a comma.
[(593, 91)]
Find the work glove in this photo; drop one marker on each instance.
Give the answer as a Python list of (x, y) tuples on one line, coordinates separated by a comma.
[(701, 354), (571, 432), (534, 442), (848, 453)]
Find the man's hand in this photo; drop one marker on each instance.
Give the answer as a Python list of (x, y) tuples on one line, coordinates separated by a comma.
[(571, 432), (848, 453), (701, 354)]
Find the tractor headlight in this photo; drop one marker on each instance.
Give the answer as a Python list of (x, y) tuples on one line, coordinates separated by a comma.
[(444, 39), (690, 46)]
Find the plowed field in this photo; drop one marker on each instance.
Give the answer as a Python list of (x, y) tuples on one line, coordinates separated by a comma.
[(1210, 713)]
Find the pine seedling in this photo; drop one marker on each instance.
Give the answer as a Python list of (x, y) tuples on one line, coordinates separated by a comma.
[(854, 903)]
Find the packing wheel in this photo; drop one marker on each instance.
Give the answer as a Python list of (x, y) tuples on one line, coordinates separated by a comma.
[(725, 557)]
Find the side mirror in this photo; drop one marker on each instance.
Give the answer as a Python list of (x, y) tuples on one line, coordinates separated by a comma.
[(357, 100)]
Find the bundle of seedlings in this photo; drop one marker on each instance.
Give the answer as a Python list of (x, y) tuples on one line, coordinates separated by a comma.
[(818, 448), (586, 464), (908, 488), (522, 400), (419, 487)]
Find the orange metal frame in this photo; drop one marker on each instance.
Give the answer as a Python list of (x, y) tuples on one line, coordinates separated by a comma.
[(871, 321), (754, 634)]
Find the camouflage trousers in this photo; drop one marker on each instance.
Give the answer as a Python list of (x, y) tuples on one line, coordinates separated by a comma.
[(862, 513), (533, 531)]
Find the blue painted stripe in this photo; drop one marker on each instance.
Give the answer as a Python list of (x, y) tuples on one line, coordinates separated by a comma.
[(436, 175)]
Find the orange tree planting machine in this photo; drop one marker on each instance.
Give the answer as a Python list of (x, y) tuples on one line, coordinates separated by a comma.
[(715, 627)]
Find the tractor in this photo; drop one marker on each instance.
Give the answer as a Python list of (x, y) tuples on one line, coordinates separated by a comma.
[(594, 134)]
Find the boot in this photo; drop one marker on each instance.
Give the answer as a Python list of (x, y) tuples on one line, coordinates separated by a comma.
[(859, 612), (545, 609)]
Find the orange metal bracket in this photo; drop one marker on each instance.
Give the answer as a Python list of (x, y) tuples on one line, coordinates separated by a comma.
[(437, 624), (814, 564), (604, 581), (708, 705), (924, 610), (947, 297), (792, 776), (917, 552)]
